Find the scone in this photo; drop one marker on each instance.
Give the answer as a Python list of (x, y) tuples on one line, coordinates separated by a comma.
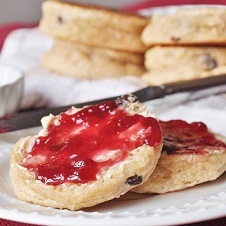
[(174, 63), (198, 25), (92, 25), (87, 62), (191, 155), (83, 157)]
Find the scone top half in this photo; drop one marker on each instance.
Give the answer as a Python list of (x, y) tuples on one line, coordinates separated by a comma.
[(77, 145), (104, 150), (93, 25), (203, 25)]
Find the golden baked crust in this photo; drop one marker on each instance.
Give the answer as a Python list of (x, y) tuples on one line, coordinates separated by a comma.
[(204, 25), (166, 64), (179, 171), (95, 26), (82, 61), (110, 183)]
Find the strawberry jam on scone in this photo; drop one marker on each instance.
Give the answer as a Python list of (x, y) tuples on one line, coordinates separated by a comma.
[(86, 156)]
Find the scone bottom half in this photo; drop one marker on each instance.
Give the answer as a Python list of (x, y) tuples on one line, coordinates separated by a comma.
[(192, 154), (83, 157)]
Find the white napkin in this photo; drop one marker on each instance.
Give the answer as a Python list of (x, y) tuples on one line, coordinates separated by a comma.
[(23, 48)]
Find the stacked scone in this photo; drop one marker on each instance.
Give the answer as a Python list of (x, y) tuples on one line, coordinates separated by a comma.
[(92, 42), (186, 44)]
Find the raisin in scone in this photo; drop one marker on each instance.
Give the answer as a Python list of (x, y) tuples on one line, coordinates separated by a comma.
[(87, 156), (191, 155), (87, 62), (92, 25), (198, 25), (166, 64)]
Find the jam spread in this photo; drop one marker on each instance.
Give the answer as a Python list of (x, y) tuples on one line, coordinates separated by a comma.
[(78, 145), (180, 137)]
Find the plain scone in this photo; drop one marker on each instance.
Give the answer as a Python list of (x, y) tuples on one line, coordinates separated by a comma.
[(192, 26), (166, 64), (88, 62), (178, 171), (110, 183), (93, 26)]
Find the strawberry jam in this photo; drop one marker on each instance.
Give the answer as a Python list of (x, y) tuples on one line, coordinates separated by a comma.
[(78, 145), (180, 137)]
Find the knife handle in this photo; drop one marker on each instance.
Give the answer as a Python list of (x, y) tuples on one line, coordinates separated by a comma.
[(192, 85)]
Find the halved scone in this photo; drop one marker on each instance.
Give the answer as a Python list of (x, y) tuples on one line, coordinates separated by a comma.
[(86, 156), (191, 155)]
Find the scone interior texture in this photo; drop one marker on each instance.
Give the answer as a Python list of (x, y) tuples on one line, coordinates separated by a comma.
[(113, 157), (198, 25), (191, 155), (92, 25)]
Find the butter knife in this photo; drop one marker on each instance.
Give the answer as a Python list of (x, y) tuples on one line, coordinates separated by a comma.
[(31, 118)]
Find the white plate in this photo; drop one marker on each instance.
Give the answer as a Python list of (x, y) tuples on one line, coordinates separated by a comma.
[(203, 202)]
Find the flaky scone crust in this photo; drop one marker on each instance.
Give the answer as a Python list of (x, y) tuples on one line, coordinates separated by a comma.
[(87, 62), (95, 26), (167, 64), (191, 26)]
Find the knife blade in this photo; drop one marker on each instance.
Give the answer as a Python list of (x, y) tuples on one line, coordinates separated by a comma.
[(29, 119)]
